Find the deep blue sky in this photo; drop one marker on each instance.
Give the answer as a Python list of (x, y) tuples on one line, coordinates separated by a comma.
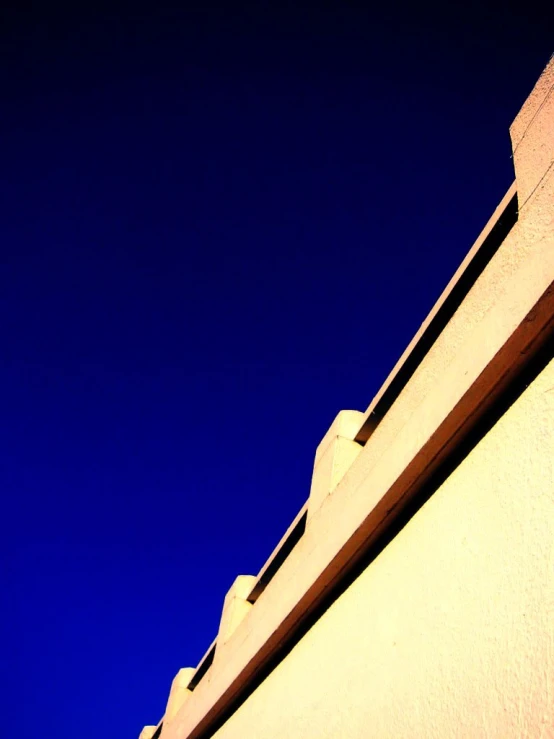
[(217, 230)]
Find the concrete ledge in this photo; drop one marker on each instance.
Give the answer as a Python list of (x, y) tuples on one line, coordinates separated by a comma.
[(347, 425), (286, 544), (334, 456), (375, 410), (179, 692), (532, 134), (148, 732), (235, 607)]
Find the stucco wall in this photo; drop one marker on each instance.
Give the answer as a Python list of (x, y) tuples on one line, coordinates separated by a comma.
[(450, 631)]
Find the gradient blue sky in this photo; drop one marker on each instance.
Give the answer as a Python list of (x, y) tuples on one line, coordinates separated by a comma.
[(218, 228)]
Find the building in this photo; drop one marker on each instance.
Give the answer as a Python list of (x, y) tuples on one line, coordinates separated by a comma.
[(413, 595)]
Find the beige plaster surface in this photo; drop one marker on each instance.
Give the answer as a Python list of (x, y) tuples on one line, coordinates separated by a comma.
[(450, 631), (505, 316)]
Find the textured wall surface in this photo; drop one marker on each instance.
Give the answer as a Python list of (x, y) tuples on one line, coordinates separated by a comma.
[(450, 631)]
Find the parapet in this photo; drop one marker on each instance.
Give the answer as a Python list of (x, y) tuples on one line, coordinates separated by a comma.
[(494, 317)]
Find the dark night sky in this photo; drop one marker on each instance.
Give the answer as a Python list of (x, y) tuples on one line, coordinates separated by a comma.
[(218, 228)]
